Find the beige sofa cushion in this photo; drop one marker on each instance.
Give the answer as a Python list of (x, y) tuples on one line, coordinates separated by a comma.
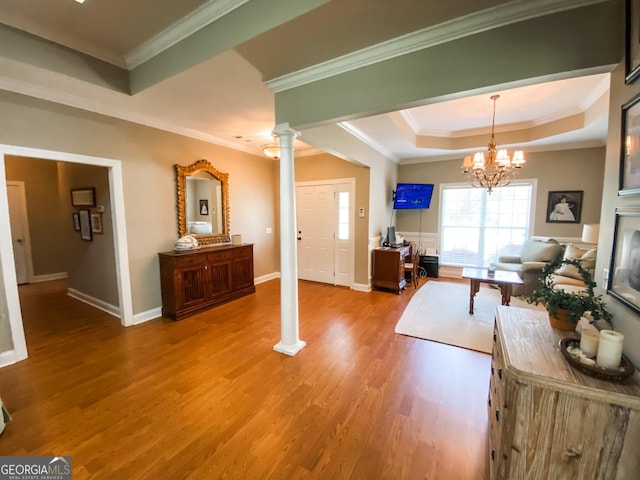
[(587, 259)]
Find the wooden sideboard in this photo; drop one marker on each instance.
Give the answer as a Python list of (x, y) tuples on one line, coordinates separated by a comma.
[(197, 280), (388, 267), (550, 421)]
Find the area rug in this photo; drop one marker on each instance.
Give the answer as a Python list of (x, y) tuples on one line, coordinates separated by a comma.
[(439, 311)]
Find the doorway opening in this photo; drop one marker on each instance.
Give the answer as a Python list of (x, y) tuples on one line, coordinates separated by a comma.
[(7, 261)]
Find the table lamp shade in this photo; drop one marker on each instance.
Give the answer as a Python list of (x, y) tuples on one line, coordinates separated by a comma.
[(590, 233)]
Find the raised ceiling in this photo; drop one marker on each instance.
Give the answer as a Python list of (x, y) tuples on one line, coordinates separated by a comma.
[(224, 99)]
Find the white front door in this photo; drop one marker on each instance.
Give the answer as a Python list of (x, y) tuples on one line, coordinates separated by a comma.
[(325, 218), (316, 232), (19, 230)]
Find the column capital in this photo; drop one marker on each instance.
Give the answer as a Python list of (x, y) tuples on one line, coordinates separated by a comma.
[(283, 129)]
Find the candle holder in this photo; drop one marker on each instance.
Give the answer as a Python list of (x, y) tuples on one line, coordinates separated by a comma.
[(620, 374)]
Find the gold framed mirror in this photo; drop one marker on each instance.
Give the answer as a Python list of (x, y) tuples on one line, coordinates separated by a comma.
[(203, 202)]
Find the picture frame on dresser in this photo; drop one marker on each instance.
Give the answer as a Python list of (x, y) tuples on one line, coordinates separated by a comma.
[(629, 173), (632, 41), (624, 270)]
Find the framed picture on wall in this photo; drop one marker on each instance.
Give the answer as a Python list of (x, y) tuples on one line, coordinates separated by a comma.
[(76, 221), (624, 270), (632, 40), (83, 197), (85, 225), (564, 206), (96, 223), (204, 207), (629, 180)]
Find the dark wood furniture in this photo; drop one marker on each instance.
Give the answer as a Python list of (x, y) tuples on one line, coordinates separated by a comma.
[(388, 267), (503, 279), (548, 420), (197, 280)]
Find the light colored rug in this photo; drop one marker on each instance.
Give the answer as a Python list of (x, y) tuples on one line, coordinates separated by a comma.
[(439, 311)]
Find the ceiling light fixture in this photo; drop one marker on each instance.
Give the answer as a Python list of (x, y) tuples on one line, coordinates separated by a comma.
[(499, 169), (271, 150), (80, 1)]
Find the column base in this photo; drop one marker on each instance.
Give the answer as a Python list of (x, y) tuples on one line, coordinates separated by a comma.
[(289, 348)]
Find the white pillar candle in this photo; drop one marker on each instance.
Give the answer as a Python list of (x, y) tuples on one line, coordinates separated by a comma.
[(589, 342), (609, 349)]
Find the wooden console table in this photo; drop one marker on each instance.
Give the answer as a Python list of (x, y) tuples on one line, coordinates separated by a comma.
[(197, 280), (388, 267), (548, 420)]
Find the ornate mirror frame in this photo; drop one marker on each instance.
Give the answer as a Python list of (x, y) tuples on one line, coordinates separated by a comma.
[(182, 174)]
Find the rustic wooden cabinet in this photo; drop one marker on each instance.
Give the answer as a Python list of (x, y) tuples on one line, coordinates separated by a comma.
[(200, 279), (550, 421), (388, 267)]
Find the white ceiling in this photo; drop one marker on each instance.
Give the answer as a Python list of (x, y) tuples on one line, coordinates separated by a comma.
[(225, 100)]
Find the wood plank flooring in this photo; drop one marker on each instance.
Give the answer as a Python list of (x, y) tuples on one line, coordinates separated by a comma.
[(208, 398)]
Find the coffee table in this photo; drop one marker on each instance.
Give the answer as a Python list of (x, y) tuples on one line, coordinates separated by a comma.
[(503, 279)]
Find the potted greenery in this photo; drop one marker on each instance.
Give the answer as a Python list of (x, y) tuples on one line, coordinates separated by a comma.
[(565, 308)]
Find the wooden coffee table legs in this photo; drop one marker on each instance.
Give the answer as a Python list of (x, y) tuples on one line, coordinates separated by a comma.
[(475, 286), (505, 290)]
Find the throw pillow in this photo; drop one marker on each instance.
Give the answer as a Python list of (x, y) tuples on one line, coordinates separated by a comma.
[(587, 259)]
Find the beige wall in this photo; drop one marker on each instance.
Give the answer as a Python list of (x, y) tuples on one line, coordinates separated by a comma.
[(328, 167), (47, 221), (148, 156), (580, 169), (625, 320)]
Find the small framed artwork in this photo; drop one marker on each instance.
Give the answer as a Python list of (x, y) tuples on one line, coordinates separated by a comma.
[(76, 221), (632, 41), (96, 223), (564, 206), (624, 273), (629, 179), (204, 207), (85, 225), (83, 197)]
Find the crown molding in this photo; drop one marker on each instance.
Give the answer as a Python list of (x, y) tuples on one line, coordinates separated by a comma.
[(51, 95), (203, 16), (366, 139), (491, 18)]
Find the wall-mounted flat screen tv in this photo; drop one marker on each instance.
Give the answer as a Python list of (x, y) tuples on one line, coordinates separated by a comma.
[(412, 195)]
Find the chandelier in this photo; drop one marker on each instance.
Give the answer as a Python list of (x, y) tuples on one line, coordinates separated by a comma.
[(271, 150), (498, 169)]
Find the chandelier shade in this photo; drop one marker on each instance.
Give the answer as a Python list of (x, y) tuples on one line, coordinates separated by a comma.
[(498, 168)]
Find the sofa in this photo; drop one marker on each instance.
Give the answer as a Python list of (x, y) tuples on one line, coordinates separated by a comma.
[(567, 277), (534, 256)]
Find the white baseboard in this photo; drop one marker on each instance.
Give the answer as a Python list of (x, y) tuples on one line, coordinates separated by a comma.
[(8, 358), (142, 317), (49, 277), (94, 302), (266, 278), (361, 287)]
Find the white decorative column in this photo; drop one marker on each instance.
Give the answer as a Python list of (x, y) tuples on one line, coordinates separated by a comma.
[(289, 343)]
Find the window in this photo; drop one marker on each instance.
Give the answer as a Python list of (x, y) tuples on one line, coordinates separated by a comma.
[(343, 215), (476, 227)]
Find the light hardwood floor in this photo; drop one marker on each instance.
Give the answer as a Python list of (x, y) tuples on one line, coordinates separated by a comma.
[(208, 398)]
